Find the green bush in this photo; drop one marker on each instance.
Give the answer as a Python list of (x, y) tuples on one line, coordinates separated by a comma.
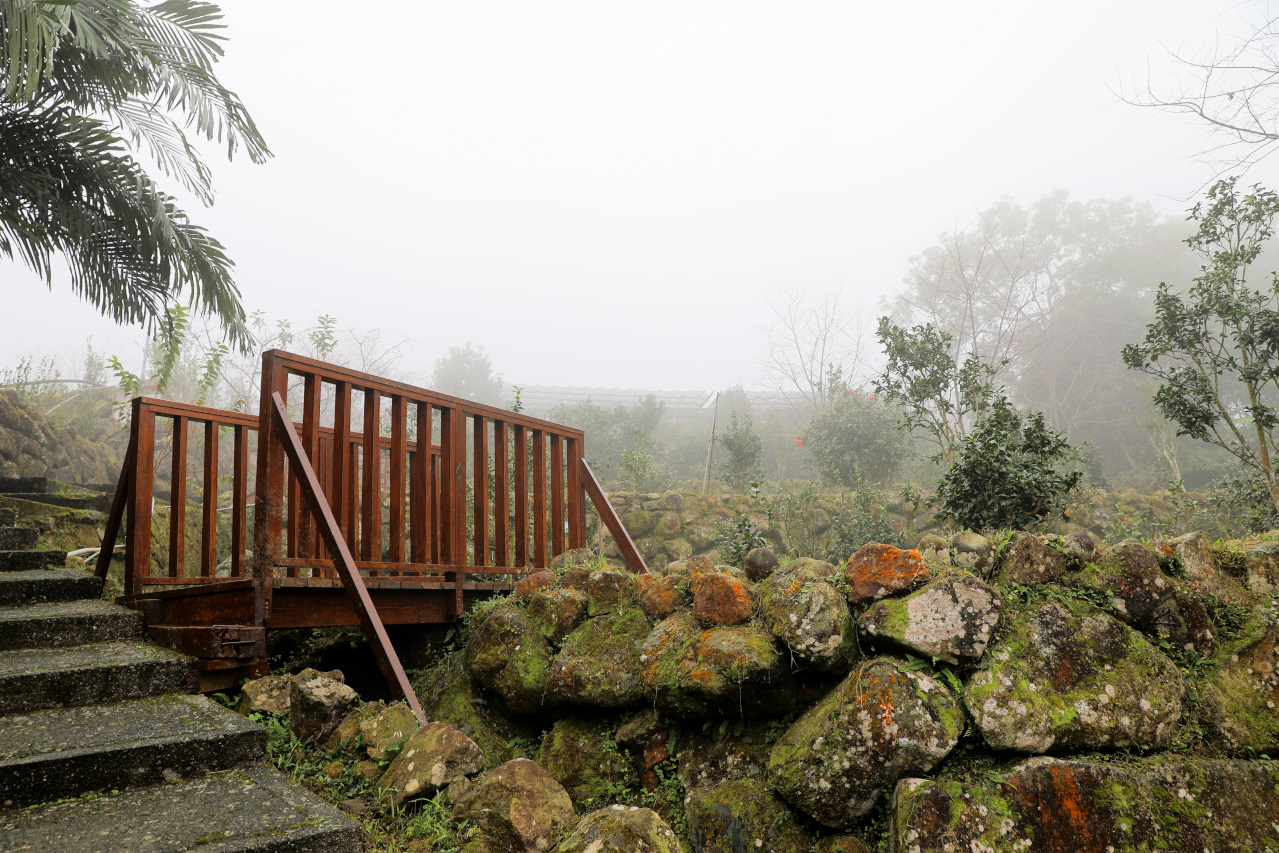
[(855, 440), (1010, 472)]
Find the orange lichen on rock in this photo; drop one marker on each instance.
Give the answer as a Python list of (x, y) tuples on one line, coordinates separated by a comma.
[(879, 570), (532, 583), (723, 600), (663, 597)]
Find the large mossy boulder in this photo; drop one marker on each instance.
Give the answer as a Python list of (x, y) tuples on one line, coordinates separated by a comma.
[(557, 612), (449, 695), (804, 610), (599, 663), (510, 655), (1064, 679), (727, 671), (1238, 705), (582, 756), (1046, 806), (519, 806), (1024, 559), (620, 829), (951, 619), (882, 723), (742, 817), (435, 756)]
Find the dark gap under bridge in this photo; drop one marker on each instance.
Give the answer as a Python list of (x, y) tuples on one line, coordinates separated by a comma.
[(427, 505)]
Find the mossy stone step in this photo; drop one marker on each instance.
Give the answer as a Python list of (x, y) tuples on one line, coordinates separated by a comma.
[(54, 624), (65, 752), (32, 586), (254, 809), (18, 538), (35, 679), (23, 560), (99, 502), (8, 517)]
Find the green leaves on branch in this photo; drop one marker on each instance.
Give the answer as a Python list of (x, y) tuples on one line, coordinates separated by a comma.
[(1215, 347)]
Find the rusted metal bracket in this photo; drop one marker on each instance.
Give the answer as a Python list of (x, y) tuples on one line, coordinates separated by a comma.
[(343, 561)]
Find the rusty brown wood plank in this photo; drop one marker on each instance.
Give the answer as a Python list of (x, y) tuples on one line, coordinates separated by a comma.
[(209, 521), (576, 508), (398, 484), (557, 495), (239, 498), (434, 527), (340, 497), (453, 475), (311, 443), (539, 499), (371, 488), (178, 498), (520, 484), (119, 503), (268, 509), (353, 584), (501, 495), (480, 489), (353, 497), (608, 515), (420, 494)]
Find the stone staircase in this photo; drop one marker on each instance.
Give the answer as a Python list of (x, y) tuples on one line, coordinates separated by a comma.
[(101, 749)]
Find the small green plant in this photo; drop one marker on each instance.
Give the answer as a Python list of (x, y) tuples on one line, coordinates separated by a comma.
[(736, 539), (861, 522), (744, 451)]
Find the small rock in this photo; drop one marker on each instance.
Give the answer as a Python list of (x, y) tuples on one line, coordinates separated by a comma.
[(1026, 560), (742, 816), (933, 548), (723, 600), (876, 571), (346, 737), (520, 806), (572, 557), (971, 551), (387, 728), (368, 770), (609, 590), (431, 759), (949, 619), (580, 755), (665, 595), (530, 584), (1082, 546), (317, 705), (620, 829), (647, 739), (760, 563), (727, 752), (269, 694), (805, 611)]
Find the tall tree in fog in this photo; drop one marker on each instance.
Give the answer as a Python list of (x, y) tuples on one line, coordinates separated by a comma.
[(84, 88), (467, 372)]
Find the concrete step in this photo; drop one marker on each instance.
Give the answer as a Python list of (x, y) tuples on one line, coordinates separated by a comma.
[(36, 585), (102, 503), (18, 538), (51, 755), (55, 624), (253, 809), (18, 561), (35, 679), (8, 516)]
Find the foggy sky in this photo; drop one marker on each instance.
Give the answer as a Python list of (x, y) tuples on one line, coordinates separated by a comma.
[(609, 194)]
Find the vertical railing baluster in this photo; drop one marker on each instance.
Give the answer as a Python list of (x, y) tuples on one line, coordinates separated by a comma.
[(311, 444), (341, 497), (576, 504), (178, 498), (539, 499), (399, 461), (520, 483), (138, 545), (239, 499), (420, 499), (371, 492), (436, 524), (557, 495), (353, 496), (209, 527), (453, 504), (480, 489), (501, 496)]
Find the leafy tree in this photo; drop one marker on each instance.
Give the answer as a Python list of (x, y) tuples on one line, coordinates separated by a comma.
[(1010, 472), (856, 440), (467, 372), (936, 391), (83, 87), (744, 449), (1215, 349)]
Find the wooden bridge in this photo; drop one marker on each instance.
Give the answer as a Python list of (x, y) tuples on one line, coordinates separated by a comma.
[(434, 503)]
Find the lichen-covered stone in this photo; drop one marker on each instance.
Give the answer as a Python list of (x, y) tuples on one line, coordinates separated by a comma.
[(1073, 681), (876, 571), (1081, 547), (972, 551), (509, 655), (346, 738), (932, 547), (1026, 560), (665, 595), (557, 612), (722, 599), (760, 563), (950, 619), (1261, 572), (317, 705), (805, 611), (1050, 806), (609, 590), (530, 584), (1146, 598), (742, 817), (449, 695), (722, 752), (880, 724), (520, 806), (431, 759), (269, 694), (387, 728), (581, 756), (639, 523), (1204, 574), (599, 663), (722, 672), (1239, 702), (620, 829)]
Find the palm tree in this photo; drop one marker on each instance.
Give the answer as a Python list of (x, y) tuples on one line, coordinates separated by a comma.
[(85, 85)]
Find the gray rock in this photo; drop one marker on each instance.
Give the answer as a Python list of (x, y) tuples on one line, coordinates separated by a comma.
[(971, 551), (804, 610), (433, 758), (386, 729), (519, 806), (1026, 560), (950, 619), (620, 829), (760, 563), (740, 817), (317, 704)]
